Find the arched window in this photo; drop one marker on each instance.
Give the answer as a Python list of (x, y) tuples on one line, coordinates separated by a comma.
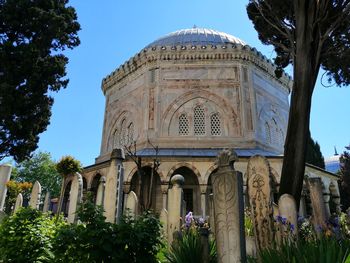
[(199, 121), (215, 124), (183, 125), (130, 133)]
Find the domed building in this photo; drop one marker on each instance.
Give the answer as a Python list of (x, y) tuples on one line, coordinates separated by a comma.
[(175, 105)]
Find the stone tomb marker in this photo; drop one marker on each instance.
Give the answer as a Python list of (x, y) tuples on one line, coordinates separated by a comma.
[(75, 197), (5, 174), (19, 202), (287, 208), (229, 231), (317, 202), (132, 204), (259, 193), (35, 196), (47, 201)]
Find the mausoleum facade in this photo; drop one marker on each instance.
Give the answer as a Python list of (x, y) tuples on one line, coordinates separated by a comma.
[(178, 102)]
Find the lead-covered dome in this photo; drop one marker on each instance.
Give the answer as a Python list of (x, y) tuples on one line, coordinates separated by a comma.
[(196, 36)]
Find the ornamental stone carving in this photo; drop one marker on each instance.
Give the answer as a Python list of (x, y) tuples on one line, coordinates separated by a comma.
[(226, 208)]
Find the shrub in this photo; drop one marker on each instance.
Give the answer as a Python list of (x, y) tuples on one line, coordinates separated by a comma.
[(95, 240), (27, 236)]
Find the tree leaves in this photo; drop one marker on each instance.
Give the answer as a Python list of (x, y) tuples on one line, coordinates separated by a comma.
[(31, 35)]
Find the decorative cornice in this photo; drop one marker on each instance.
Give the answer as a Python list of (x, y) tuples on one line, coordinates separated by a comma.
[(194, 53)]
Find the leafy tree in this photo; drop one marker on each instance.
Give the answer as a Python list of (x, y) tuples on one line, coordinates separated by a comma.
[(309, 34), (68, 165), (313, 153), (13, 189), (345, 179), (32, 34), (39, 168)]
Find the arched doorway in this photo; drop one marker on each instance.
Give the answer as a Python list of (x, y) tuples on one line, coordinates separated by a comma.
[(149, 194), (94, 186), (65, 203), (191, 189)]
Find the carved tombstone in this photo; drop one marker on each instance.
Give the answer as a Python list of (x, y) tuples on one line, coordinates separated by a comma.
[(19, 202), (47, 201), (260, 200), (175, 200), (101, 191), (227, 209), (75, 197), (288, 209), (132, 204), (317, 201), (5, 174), (35, 196)]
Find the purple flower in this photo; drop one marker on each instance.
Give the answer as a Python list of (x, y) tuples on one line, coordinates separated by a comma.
[(188, 219), (201, 221), (292, 227)]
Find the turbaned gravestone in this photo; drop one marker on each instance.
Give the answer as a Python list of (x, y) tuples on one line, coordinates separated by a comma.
[(35, 196)]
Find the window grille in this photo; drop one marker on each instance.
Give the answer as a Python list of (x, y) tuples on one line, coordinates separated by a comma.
[(215, 124), (183, 125), (199, 121)]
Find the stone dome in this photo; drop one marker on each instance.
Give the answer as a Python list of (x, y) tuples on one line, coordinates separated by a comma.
[(196, 36)]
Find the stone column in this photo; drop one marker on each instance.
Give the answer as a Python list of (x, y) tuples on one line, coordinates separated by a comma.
[(164, 187), (75, 197), (326, 198), (336, 200), (302, 205), (112, 193), (120, 157), (5, 174), (61, 197), (228, 230), (317, 201), (175, 199), (35, 196)]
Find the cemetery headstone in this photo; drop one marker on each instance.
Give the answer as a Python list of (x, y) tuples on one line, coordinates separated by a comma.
[(132, 204), (5, 174), (227, 209), (35, 196), (75, 198), (260, 199), (47, 201), (19, 202)]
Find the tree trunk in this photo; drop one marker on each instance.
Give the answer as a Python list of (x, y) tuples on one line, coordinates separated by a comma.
[(306, 69)]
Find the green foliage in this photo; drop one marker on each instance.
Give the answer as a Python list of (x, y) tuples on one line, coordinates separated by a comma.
[(187, 248), (68, 165), (40, 167), (324, 250), (345, 180), (98, 241), (313, 153), (13, 189), (27, 236), (32, 34)]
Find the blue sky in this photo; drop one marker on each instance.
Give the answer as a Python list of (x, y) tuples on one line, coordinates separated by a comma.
[(114, 31)]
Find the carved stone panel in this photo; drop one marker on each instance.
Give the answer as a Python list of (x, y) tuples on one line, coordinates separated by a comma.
[(317, 202), (259, 194), (288, 209)]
